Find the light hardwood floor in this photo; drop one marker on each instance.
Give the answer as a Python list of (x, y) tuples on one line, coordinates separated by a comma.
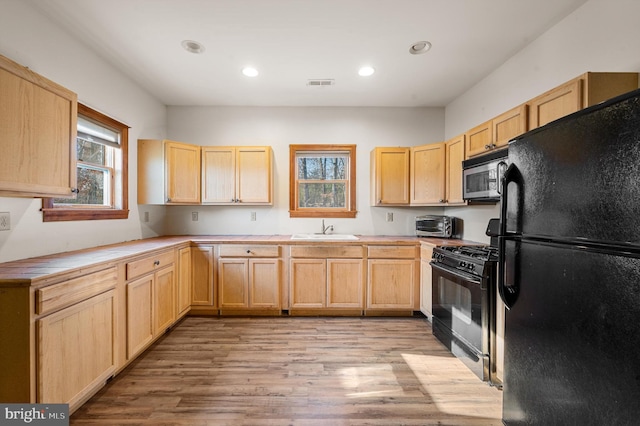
[(295, 371)]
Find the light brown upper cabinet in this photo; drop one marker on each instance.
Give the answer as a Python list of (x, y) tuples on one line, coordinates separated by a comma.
[(586, 90), (237, 175), (168, 172), (454, 155), (496, 133), (479, 139), (389, 176), (428, 169), (436, 173), (37, 134)]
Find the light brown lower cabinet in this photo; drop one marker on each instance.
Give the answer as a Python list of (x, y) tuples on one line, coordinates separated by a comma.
[(203, 279), (183, 287), (151, 299), (76, 350), (392, 283), (249, 283), (326, 277)]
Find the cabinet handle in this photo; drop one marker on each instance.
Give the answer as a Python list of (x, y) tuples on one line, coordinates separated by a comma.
[(248, 251), (156, 263), (75, 191), (168, 200), (487, 147), (441, 200)]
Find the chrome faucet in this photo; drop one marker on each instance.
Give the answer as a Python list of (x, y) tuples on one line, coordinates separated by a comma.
[(326, 228)]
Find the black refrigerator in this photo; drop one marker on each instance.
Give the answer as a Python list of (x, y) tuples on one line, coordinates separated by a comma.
[(569, 270)]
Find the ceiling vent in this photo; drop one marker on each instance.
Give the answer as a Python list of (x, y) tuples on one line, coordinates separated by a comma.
[(321, 82)]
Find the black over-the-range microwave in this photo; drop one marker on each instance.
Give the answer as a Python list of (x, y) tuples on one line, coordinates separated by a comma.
[(481, 176)]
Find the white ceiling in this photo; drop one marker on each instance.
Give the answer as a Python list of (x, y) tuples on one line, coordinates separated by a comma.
[(291, 41)]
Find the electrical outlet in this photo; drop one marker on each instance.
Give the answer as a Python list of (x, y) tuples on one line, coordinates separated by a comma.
[(5, 221), (194, 216), (389, 217), (253, 216), (146, 217)]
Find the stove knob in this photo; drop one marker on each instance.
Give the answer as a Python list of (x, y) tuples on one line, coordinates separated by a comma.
[(471, 266), (463, 264)]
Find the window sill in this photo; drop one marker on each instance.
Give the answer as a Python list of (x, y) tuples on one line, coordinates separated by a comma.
[(61, 215)]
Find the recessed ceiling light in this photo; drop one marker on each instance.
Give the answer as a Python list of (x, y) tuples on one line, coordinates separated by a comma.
[(250, 71), (192, 46), (366, 71), (419, 47)]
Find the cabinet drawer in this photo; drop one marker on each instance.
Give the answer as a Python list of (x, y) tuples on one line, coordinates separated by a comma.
[(149, 264), (52, 298), (248, 251), (393, 252), (326, 251)]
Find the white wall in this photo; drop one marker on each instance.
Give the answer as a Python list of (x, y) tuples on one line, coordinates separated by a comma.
[(279, 127), (30, 39), (602, 35)]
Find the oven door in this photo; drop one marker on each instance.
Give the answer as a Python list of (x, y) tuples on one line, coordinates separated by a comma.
[(460, 317)]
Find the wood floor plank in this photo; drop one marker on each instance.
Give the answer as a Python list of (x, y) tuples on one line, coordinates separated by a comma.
[(301, 371)]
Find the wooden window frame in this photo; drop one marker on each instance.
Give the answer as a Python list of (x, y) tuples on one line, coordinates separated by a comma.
[(350, 211), (51, 213)]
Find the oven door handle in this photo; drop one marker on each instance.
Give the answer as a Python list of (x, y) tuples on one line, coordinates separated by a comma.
[(456, 274)]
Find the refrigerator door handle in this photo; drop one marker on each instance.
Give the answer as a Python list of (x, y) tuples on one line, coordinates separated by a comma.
[(508, 293), (508, 266)]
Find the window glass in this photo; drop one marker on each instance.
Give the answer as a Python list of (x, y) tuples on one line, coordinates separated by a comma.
[(322, 181)]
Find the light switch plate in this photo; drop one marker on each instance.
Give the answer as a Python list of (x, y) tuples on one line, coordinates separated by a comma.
[(5, 221), (194, 216), (389, 217), (253, 216)]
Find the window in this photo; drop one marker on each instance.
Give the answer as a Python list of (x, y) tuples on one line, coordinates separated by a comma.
[(101, 149), (322, 180)]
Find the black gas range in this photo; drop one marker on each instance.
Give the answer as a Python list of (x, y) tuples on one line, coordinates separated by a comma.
[(476, 261), (464, 304)]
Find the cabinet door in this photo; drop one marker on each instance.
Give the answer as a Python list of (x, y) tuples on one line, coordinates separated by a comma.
[(455, 155), (428, 174), (218, 175), (76, 350), (183, 295), (390, 176), (232, 283), (556, 103), (344, 283), (308, 283), (139, 315), (182, 163), (253, 175), (508, 125), (264, 283), (202, 276), (164, 303), (37, 134), (479, 139), (391, 284)]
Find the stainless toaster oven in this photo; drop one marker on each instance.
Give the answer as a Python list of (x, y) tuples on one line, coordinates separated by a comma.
[(438, 226)]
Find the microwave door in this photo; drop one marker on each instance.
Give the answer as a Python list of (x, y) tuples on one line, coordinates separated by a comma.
[(481, 181)]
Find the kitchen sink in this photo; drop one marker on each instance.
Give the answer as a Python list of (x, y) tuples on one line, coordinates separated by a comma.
[(324, 237)]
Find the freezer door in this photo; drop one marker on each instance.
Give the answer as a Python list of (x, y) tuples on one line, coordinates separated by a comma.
[(580, 176), (572, 336)]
